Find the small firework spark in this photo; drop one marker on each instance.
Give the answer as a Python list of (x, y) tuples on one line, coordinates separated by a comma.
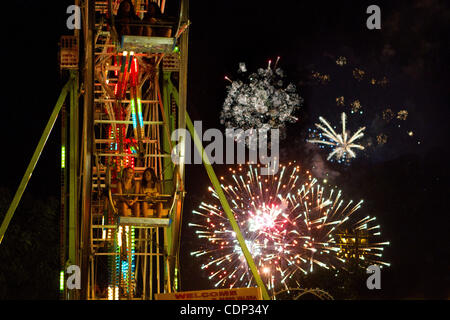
[(381, 139), (356, 106), (340, 101), (322, 78), (342, 143), (388, 115), (341, 61), (402, 115), (358, 74), (383, 82), (290, 223)]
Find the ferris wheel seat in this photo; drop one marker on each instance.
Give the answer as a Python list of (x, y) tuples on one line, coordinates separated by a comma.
[(141, 44), (144, 222)]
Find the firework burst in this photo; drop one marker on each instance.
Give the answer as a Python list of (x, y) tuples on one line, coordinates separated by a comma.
[(342, 143), (291, 225), (260, 100)]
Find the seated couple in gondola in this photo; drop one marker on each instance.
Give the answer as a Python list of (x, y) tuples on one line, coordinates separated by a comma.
[(139, 199), (128, 23)]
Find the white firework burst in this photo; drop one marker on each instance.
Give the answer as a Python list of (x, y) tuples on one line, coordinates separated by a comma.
[(342, 143)]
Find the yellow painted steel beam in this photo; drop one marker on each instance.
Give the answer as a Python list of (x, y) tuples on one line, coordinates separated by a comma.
[(34, 159), (226, 207)]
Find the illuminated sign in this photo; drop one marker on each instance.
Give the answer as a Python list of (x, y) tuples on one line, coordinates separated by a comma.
[(218, 294)]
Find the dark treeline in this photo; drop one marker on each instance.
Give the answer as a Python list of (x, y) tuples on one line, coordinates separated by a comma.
[(29, 253)]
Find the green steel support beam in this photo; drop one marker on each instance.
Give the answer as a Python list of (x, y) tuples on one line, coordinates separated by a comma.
[(166, 93), (34, 160), (73, 165), (167, 162), (63, 209), (87, 143), (170, 91), (181, 124), (226, 207)]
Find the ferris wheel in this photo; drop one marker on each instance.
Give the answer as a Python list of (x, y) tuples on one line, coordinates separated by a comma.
[(133, 80)]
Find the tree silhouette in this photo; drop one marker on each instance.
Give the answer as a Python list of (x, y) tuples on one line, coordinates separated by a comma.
[(29, 253)]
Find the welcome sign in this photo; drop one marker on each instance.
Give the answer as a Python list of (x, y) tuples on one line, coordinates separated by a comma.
[(218, 294)]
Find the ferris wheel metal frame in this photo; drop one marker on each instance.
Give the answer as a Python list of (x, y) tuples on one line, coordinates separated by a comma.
[(319, 293)]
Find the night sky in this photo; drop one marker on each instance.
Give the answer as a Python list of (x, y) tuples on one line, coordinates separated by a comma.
[(404, 182)]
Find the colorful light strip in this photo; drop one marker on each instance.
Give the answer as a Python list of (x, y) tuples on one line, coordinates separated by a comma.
[(113, 293), (133, 257), (135, 66), (141, 120), (125, 276), (116, 72), (110, 293), (133, 114), (61, 280), (121, 81), (63, 157), (117, 256)]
